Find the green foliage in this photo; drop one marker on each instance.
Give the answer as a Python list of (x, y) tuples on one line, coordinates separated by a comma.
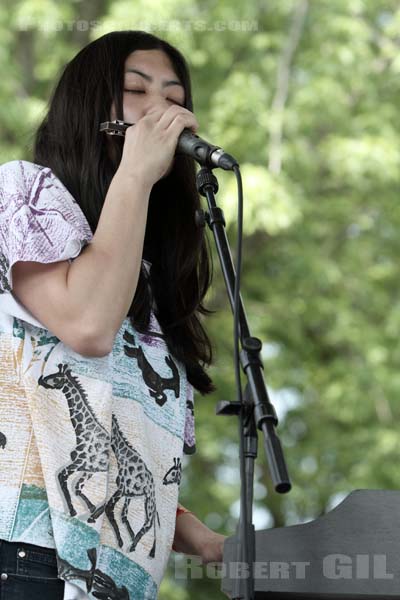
[(314, 124)]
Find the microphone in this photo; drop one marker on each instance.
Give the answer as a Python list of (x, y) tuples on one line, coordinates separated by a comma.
[(188, 143), (205, 153)]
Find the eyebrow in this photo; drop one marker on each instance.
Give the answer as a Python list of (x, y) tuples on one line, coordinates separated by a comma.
[(145, 76)]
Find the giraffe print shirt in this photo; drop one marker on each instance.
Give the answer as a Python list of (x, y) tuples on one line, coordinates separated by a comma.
[(90, 448)]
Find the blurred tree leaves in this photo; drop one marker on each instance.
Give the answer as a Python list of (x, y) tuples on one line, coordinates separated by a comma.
[(321, 230)]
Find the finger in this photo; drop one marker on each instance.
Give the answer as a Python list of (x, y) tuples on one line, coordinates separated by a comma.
[(151, 117), (179, 124), (156, 112), (180, 115)]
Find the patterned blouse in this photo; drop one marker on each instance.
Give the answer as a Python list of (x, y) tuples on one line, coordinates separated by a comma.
[(90, 447)]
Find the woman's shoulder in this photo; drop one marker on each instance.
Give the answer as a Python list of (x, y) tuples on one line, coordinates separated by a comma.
[(20, 167), (22, 181), (17, 174), (33, 192)]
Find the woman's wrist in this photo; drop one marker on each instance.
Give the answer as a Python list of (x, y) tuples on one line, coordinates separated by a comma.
[(181, 510), (193, 537), (132, 176)]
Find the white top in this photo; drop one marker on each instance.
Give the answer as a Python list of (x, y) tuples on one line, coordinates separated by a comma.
[(90, 447)]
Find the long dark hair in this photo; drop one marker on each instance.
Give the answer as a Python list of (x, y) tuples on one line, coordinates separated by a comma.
[(69, 142)]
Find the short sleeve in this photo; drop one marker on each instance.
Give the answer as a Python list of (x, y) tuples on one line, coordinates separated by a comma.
[(189, 446), (39, 220)]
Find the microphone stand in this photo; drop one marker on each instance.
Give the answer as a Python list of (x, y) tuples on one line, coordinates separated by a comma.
[(255, 411)]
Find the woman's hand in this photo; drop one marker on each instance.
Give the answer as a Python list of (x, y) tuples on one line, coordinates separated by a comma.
[(150, 144), (212, 548), (192, 536)]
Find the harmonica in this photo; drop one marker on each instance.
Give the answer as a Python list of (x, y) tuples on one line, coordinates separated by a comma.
[(116, 127)]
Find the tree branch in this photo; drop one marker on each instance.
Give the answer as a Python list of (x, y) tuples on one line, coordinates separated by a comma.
[(282, 86)]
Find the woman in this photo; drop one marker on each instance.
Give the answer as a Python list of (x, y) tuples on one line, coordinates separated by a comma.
[(102, 276)]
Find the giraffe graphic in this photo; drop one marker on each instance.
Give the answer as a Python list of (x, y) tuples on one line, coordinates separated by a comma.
[(91, 455), (134, 479), (155, 384), (91, 452), (173, 475)]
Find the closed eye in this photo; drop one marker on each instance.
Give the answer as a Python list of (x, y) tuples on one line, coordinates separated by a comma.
[(143, 92)]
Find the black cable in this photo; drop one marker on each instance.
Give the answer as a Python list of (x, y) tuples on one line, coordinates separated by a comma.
[(243, 491)]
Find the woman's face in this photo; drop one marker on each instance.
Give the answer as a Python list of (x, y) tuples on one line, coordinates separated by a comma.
[(149, 79)]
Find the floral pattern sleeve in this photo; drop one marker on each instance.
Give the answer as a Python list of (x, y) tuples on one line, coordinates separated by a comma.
[(39, 219)]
